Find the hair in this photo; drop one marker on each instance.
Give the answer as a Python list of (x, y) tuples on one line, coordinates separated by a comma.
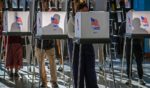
[(53, 9), (81, 5)]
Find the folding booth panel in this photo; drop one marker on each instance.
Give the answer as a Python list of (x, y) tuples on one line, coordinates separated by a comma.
[(92, 25), (51, 23), (16, 21), (138, 22)]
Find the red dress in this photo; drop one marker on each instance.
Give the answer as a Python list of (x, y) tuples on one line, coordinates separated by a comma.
[(14, 52)]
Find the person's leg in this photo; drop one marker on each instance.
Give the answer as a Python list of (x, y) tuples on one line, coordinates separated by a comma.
[(139, 61), (90, 74), (9, 59), (50, 54), (81, 68), (128, 61), (75, 65), (128, 48), (18, 55), (59, 53), (39, 55)]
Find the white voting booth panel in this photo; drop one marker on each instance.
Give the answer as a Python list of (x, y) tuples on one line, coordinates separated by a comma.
[(92, 25), (51, 23), (138, 22), (16, 21)]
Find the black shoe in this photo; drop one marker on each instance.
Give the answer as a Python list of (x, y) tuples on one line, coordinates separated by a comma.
[(11, 75), (60, 69), (16, 75), (128, 82), (141, 81), (55, 85), (43, 85)]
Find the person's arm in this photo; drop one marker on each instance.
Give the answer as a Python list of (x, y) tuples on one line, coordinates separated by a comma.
[(70, 28)]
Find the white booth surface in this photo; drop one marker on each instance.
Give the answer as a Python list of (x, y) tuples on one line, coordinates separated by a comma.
[(138, 22), (51, 23), (92, 25), (16, 21)]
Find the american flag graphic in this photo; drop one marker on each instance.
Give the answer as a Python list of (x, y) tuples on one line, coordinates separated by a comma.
[(144, 21), (19, 22), (95, 24), (54, 20)]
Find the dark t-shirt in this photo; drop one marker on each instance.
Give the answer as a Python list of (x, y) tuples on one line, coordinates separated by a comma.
[(47, 44)]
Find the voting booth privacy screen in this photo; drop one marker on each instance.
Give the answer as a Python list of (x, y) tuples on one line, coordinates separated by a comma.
[(51, 23), (92, 25), (16, 21), (138, 22)]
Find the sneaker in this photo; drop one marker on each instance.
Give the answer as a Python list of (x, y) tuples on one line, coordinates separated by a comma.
[(128, 82), (55, 85), (141, 81), (43, 85), (16, 75), (60, 69), (11, 75)]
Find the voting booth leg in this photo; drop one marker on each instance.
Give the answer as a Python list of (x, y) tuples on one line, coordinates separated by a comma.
[(101, 56), (6, 53), (34, 64), (109, 63), (62, 60), (112, 68), (130, 69), (104, 65), (40, 64), (33, 58), (71, 64), (79, 66), (1, 54), (26, 55), (29, 67), (123, 58)]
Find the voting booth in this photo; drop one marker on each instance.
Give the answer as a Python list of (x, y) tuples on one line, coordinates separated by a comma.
[(16, 21), (138, 22), (51, 24), (92, 25)]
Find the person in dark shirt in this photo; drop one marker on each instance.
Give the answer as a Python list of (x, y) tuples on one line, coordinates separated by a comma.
[(87, 68)]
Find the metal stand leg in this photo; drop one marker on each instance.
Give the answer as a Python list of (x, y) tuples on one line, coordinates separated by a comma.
[(69, 64), (6, 53), (105, 76), (123, 58), (130, 78), (79, 67), (112, 67), (33, 59), (40, 64), (1, 54), (109, 57), (26, 53), (62, 60), (72, 66)]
